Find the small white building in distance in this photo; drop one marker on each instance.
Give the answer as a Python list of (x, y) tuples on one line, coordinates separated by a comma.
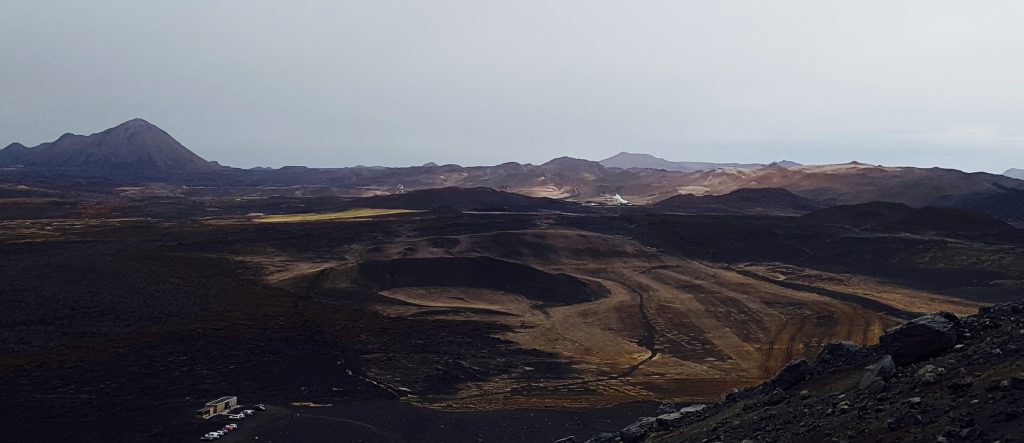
[(217, 406)]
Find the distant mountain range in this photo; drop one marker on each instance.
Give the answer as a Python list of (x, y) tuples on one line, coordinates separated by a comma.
[(135, 145), (626, 160), (1015, 173), (138, 152)]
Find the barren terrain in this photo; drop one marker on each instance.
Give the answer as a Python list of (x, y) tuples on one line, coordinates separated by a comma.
[(441, 310)]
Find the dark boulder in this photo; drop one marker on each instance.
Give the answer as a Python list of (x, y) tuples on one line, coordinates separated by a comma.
[(639, 430), (876, 386), (671, 420), (883, 370), (929, 374), (921, 337), (667, 408), (775, 397), (794, 373), (674, 419), (1005, 310), (836, 350)]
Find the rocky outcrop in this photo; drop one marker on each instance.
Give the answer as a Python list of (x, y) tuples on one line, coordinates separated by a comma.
[(921, 337), (836, 350), (963, 382), (639, 430), (792, 374), (775, 397), (876, 374), (929, 374), (672, 419)]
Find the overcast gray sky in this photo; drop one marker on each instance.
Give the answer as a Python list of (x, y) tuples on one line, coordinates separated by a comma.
[(338, 83)]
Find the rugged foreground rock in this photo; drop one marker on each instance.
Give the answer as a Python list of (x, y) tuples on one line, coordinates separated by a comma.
[(937, 378)]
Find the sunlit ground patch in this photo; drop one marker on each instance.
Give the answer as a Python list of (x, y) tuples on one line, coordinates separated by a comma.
[(360, 213)]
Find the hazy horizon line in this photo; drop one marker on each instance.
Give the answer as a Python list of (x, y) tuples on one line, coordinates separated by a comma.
[(536, 162)]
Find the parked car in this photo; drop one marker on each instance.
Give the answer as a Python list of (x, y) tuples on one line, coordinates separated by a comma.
[(261, 407), (248, 412), (236, 416), (230, 427), (207, 437)]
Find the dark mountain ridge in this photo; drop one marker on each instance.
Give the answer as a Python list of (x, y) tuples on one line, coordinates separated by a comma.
[(135, 146), (751, 201), (863, 215), (1006, 205), (949, 221)]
